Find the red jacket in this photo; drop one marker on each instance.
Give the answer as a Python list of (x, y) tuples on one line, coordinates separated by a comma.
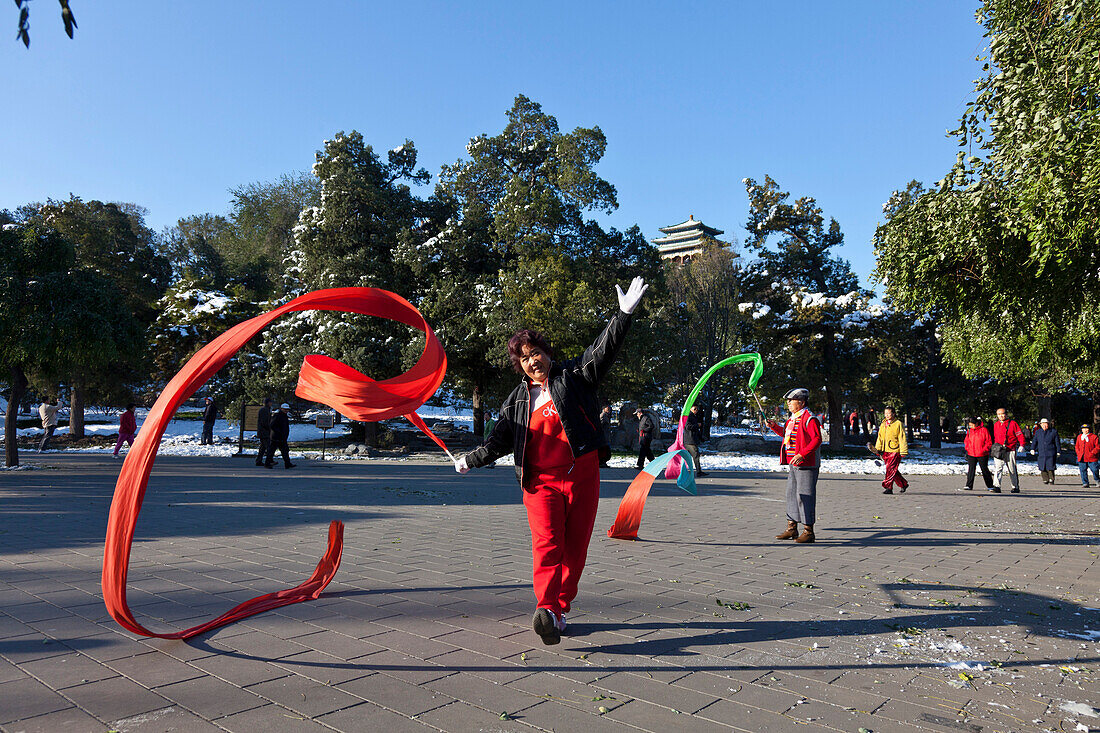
[(1087, 450), (127, 425), (807, 441), (1008, 434), (977, 442)]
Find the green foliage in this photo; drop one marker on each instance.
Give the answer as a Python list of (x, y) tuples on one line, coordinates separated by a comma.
[(24, 30), (505, 245), (702, 322), (347, 240), (1004, 249), (809, 313)]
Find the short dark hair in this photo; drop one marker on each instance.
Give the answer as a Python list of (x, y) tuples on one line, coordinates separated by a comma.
[(267, 400), (130, 405), (890, 408), (974, 420), (526, 337)]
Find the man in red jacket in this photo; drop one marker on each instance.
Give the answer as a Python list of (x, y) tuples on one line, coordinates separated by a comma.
[(1007, 433), (1088, 455), (801, 452)]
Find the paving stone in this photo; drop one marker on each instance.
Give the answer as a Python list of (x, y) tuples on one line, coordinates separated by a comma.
[(68, 720), (210, 697), (269, 719), (154, 669), (414, 607), (115, 697), (398, 695), (165, 720), (368, 717), (458, 717), (305, 696), (28, 698)]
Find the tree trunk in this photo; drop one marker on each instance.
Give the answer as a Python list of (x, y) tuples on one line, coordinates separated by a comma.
[(18, 382), (836, 430), (370, 434), (478, 402), (934, 431), (76, 410), (1095, 411)]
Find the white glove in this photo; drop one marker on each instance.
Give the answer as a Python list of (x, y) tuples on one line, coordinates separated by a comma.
[(460, 465), (633, 296)]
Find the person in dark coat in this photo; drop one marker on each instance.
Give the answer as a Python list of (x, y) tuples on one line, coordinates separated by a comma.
[(280, 433), (209, 416), (605, 425), (693, 436), (1044, 446), (263, 430), (550, 425), (647, 431)]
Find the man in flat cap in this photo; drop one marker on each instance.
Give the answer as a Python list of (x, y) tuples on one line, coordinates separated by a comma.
[(800, 451)]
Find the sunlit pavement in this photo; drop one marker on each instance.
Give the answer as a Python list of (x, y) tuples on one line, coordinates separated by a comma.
[(936, 610)]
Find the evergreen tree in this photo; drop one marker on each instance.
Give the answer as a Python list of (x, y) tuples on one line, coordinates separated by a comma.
[(507, 245), (808, 309)]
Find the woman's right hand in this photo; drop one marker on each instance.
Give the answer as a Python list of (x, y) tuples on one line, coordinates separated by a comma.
[(460, 465)]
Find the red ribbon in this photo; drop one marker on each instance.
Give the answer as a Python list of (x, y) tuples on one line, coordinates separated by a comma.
[(321, 379)]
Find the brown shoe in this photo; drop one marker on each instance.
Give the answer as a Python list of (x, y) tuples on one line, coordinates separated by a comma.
[(807, 534), (791, 533)]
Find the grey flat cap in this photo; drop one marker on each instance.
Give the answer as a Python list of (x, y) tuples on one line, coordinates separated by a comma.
[(798, 393)]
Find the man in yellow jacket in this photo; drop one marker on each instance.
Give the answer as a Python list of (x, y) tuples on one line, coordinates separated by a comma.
[(890, 444)]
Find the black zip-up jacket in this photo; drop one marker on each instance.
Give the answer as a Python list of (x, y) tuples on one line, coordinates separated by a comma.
[(573, 386), (280, 427)]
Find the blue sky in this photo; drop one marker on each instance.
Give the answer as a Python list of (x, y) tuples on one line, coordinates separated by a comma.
[(169, 104)]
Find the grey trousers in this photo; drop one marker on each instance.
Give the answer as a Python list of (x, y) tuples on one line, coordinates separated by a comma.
[(802, 494), (693, 451), (1008, 464)]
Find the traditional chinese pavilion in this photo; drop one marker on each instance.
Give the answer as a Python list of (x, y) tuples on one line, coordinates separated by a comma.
[(683, 240)]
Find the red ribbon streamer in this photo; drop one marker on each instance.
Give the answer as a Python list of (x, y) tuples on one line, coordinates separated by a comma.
[(321, 379)]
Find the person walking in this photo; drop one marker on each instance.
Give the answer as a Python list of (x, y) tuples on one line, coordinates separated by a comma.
[(490, 423), (1006, 433), (47, 412), (280, 434), (127, 428), (263, 430), (977, 444), (209, 416), (1087, 447), (549, 425), (1045, 446), (801, 452), (647, 430), (693, 436), (891, 445), (605, 425)]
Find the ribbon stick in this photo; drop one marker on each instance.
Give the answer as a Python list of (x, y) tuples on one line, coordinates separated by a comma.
[(321, 379), (629, 516), (673, 469)]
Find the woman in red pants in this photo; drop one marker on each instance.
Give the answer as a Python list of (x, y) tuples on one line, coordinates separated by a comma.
[(550, 423)]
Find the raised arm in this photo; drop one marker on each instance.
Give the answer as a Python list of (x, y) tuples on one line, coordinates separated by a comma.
[(597, 359)]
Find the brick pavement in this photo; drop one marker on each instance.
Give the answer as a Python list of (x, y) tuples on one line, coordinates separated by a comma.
[(706, 624)]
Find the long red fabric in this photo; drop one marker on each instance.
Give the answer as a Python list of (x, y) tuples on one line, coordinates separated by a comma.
[(321, 379)]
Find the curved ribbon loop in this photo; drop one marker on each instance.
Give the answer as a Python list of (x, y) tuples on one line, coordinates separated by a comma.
[(321, 379), (673, 469)]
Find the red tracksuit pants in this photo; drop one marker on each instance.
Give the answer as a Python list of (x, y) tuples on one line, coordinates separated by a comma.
[(893, 475), (561, 509)]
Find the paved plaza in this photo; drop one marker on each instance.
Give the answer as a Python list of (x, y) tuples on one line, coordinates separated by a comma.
[(935, 610)]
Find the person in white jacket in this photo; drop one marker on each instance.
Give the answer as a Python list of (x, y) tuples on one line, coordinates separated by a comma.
[(48, 412)]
